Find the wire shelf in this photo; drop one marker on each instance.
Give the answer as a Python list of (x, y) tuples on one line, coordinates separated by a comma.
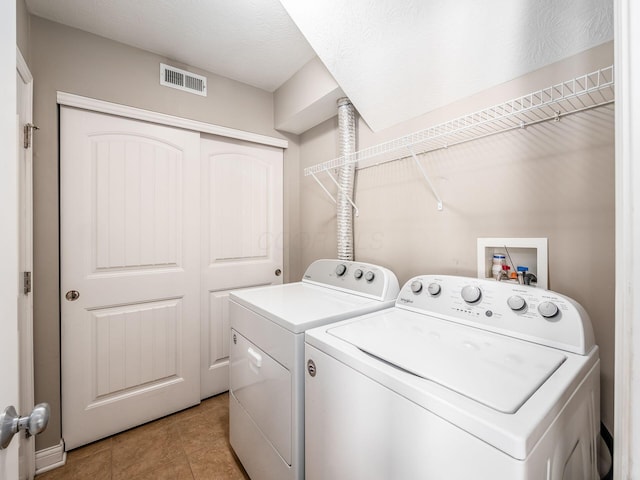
[(578, 94)]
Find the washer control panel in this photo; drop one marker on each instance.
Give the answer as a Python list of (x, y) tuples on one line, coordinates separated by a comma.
[(520, 311), (356, 277)]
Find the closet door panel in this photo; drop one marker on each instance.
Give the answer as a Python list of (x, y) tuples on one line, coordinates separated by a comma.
[(241, 238), (130, 248)]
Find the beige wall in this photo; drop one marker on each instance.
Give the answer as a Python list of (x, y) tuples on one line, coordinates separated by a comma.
[(306, 99), (554, 180), (69, 60)]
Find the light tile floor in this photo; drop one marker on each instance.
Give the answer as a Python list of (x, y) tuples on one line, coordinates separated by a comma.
[(190, 445)]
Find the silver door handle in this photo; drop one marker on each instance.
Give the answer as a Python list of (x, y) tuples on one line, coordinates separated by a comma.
[(33, 424), (72, 295)]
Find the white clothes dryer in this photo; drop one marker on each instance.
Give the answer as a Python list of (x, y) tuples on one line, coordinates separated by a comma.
[(462, 379), (266, 371)]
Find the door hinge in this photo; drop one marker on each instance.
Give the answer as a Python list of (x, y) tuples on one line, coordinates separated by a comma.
[(28, 133), (26, 282)]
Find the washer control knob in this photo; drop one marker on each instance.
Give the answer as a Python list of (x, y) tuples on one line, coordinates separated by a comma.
[(341, 269), (416, 286), (471, 293), (433, 289), (358, 274), (516, 303), (548, 309), (369, 276)]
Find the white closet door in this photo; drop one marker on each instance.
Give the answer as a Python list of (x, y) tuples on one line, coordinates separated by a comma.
[(242, 240), (130, 248)]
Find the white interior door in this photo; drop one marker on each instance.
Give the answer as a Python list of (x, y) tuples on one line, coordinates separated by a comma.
[(24, 82), (241, 239), (130, 248)]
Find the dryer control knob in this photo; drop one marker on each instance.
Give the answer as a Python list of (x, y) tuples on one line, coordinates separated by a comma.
[(548, 309), (416, 286), (358, 274), (341, 269), (433, 289), (369, 276), (516, 303), (471, 293)]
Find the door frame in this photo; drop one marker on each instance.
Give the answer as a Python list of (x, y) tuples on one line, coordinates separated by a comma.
[(25, 312), (627, 316)]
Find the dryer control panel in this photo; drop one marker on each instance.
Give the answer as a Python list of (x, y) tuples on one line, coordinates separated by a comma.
[(519, 311), (365, 279)]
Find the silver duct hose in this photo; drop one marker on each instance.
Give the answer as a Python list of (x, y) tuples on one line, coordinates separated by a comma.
[(346, 176)]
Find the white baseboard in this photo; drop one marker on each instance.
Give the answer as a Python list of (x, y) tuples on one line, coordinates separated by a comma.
[(50, 458)]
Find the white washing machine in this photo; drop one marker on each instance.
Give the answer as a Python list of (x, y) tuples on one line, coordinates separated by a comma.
[(462, 379), (266, 374)]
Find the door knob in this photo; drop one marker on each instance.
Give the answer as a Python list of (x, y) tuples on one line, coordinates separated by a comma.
[(33, 424), (278, 272), (72, 295)]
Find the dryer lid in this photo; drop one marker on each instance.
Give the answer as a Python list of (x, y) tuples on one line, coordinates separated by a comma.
[(300, 306), (497, 371)]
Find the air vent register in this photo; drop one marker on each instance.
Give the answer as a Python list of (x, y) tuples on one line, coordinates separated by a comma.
[(183, 80)]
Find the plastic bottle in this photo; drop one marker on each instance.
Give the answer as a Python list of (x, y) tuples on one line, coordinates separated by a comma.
[(496, 268), (521, 273)]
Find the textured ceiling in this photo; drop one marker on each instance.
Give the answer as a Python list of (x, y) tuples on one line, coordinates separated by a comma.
[(252, 41), (394, 59), (397, 60)]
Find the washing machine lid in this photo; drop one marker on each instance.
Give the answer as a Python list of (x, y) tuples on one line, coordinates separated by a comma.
[(300, 306), (495, 370)]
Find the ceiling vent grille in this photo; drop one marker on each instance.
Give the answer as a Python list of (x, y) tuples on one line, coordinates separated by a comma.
[(182, 80)]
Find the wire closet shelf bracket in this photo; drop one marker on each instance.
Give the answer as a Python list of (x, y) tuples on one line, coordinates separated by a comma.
[(578, 94)]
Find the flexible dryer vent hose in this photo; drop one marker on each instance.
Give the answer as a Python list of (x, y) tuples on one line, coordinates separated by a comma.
[(346, 176)]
